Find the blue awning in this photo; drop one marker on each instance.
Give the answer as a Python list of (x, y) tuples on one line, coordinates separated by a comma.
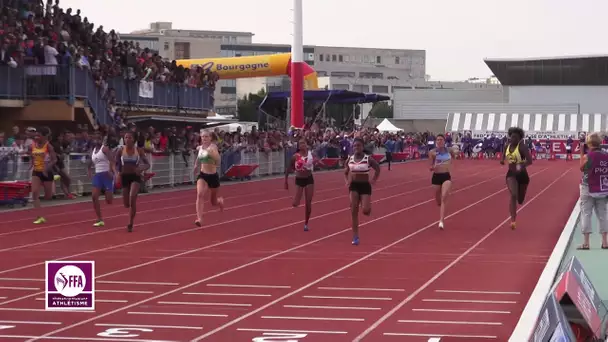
[(329, 96)]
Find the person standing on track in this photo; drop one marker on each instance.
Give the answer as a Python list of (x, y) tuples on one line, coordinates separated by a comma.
[(132, 162), (43, 159), (441, 165), (209, 158), (356, 175), (102, 160), (518, 159), (592, 190), (302, 162)]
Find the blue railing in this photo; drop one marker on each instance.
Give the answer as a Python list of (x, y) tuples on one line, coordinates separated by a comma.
[(71, 83)]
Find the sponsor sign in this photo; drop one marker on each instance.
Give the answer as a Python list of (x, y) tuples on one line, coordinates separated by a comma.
[(70, 285), (534, 135)]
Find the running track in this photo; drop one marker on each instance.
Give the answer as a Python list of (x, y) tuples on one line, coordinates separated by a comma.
[(251, 273)]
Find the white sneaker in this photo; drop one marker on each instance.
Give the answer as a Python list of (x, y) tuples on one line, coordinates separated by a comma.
[(441, 225)]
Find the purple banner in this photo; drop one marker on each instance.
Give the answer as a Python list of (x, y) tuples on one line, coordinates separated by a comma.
[(70, 285)]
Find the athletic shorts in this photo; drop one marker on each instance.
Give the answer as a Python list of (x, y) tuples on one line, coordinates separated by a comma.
[(212, 179), (127, 178), (440, 178), (48, 178), (103, 181), (362, 188), (305, 181), (521, 177)]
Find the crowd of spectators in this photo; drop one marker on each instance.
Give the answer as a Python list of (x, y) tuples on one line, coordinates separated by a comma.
[(35, 33)]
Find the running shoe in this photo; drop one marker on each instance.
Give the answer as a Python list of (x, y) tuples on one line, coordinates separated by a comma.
[(130, 228), (99, 223), (40, 220), (441, 225), (305, 227), (513, 225), (356, 241)]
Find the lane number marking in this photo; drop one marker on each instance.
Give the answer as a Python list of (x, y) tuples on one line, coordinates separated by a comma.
[(123, 332), (279, 337)]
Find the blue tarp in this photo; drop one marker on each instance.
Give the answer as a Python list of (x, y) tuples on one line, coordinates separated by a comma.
[(331, 96)]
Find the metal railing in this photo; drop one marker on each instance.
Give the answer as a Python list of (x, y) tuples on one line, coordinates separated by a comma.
[(170, 169), (71, 83)]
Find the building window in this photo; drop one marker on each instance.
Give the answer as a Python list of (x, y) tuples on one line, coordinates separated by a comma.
[(182, 50), (366, 59), (397, 60), (321, 58), (346, 58), (228, 90), (377, 75), (327, 58), (362, 88), (378, 59), (166, 46), (341, 87), (382, 89), (321, 73), (340, 58), (343, 74), (333, 58)]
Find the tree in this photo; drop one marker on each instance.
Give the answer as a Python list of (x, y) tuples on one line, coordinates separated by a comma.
[(247, 107), (382, 110)]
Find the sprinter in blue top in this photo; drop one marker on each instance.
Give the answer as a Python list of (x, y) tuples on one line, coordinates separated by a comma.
[(441, 164)]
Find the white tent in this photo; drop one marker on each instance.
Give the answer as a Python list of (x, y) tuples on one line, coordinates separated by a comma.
[(387, 126)]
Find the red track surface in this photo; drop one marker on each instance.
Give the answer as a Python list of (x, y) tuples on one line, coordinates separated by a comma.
[(252, 271)]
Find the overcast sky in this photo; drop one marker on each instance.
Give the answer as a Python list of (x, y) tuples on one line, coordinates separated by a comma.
[(457, 35)]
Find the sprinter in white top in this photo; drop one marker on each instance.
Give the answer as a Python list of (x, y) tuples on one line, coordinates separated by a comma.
[(102, 160), (356, 175)]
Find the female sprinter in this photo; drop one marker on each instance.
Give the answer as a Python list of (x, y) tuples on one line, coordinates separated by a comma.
[(209, 158), (359, 185), (302, 162), (441, 163), (132, 162), (518, 158), (103, 180), (43, 160)]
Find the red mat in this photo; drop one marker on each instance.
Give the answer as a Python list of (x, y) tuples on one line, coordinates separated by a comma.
[(252, 272)]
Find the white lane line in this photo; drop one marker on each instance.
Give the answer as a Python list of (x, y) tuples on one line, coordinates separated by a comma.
[(447, 322), (464, 311), (3, 297), (19, 288), (478, 292), (97, 300), (174, 314), (440, 335), (348, 298), (359, 289), (471, 301), (30, 322), (135, 282), (295, 331), (329, 307), (455, 261), (43, 310), (251, 286), (206, 304), (26, 337), (315, 318), (148, 326), (226, 294), (21, 279), (123, 291)]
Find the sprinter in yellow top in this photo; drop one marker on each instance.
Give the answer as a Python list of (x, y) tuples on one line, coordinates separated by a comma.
[(518, 159), (43, 159)]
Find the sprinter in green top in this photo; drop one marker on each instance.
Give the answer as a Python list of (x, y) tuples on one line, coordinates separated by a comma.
[(208, 157)]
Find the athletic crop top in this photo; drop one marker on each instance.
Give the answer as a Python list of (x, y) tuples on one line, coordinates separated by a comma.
[(513, 157), (132, 159), (40, 157), (204, 157), (304, 163), (442, 157), (361, 166)]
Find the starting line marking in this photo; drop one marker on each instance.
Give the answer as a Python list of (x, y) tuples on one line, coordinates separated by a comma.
[(203, 303), (251, 286), (19, 288), (296, 331), (464, 311), (100, 300), (30, 322), (359, 289), (329, 307), (25, 337), (42, 310), (226, 294), (478, 292), (21, 279), (447, 322), (316, 318), (123, 291), (135, 283), (147, 326), (348, 298), (434, 336), (175, 314), (3, 297), (471, 301)]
